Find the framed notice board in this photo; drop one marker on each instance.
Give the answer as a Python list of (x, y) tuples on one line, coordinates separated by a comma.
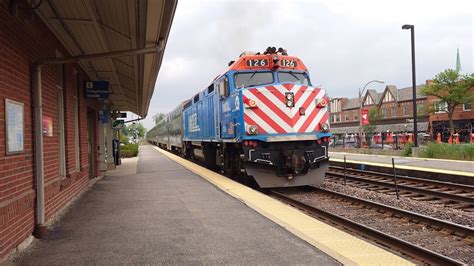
[(14, 126)]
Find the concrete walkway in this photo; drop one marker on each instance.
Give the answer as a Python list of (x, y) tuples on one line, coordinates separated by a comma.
[(165, 214)]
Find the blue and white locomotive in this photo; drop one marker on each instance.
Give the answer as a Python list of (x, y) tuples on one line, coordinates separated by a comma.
[(261, 120)]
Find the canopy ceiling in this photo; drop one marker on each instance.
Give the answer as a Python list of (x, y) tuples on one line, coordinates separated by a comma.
[(101, 26)]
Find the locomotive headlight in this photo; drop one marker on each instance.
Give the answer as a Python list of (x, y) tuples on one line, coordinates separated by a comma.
[(290, 99), (252, 130), (325, 127), (250, 103), (320, 103)]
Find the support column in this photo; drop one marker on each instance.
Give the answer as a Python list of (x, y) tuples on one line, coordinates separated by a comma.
[(110, 147), (102, 142)]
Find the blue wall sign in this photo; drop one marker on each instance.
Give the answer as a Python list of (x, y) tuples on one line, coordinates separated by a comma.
[(103, 117), (96, 89)]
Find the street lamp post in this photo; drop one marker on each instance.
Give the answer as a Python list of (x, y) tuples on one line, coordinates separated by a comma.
[(413, 74), (360, 108)]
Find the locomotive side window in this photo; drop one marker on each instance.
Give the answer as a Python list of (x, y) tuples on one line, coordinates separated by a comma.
[(249, 79), (224, 87), (298, 78)]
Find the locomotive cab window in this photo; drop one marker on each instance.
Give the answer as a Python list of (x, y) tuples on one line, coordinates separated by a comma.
[(298, 78), (249, 79)]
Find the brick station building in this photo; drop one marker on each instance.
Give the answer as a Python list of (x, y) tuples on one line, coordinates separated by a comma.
[(52, 142)]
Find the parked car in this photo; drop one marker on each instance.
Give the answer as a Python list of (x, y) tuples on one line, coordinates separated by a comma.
[(379, 146), (347, 144)]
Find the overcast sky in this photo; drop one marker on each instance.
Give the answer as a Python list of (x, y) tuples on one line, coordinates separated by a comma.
[(344, 44)]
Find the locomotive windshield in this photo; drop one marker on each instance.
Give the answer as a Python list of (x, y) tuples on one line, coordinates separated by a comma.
[(298, 78), (249, 79)]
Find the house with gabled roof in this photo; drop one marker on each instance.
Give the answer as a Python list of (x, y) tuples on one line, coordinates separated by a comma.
[(395, 106)]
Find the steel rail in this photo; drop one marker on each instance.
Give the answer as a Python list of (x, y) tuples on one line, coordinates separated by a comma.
[(416, 252), (387, 184), (406, 178)]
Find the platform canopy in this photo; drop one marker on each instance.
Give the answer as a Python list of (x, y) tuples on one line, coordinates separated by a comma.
[(101, 26)]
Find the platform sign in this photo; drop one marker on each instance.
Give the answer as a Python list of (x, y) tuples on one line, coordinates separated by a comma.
[(103, 117), (118, 124), (98, 89), (14, 125)]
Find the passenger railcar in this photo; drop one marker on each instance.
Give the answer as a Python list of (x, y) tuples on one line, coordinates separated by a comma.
[(261, 119)]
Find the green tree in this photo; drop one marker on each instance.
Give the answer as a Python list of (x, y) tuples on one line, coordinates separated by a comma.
[(137, 130), (134, 131), (452, 88), (158, 117)]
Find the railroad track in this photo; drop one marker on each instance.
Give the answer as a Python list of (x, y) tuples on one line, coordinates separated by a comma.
[(422, 238), (452, 195)]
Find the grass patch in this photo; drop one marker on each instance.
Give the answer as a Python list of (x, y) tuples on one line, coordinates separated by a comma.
[(448, 151), (407, 149), (129, 150)]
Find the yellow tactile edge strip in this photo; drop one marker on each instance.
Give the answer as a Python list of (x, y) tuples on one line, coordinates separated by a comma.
[(340, 245), (408, 167)]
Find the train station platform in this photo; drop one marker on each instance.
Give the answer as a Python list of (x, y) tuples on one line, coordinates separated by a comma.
[(162, 209), (154, 211), (450, 167)]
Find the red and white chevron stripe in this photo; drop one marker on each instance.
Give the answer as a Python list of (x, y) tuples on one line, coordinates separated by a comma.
[(272, 116)]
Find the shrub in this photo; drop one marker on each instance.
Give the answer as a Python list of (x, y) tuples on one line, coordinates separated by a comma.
[(129, 150), (407, 149), (449, 151)]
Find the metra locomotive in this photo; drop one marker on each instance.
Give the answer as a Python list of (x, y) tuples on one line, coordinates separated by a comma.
[(261, 119)]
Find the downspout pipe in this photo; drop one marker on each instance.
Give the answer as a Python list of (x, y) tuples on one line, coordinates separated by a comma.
[(40, 227)]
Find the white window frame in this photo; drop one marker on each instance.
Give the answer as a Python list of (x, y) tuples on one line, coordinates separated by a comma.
[(438, 110), (464, 107)]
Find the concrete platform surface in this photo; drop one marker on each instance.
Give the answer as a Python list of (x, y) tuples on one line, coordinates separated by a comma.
[(165, 214), (438, 165)]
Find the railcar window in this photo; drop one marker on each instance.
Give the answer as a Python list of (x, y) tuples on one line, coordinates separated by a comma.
[(249, 79), (299, 78), (210, 88)]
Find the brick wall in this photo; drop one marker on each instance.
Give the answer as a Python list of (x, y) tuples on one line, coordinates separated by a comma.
[(22, 42), (459, 113)]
